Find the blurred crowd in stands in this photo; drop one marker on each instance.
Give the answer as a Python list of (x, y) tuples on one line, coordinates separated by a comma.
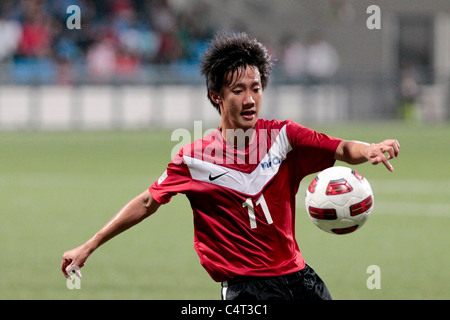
[(122, 39), (117, 37)]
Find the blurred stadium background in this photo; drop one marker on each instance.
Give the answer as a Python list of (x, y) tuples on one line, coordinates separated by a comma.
[(134, 63), (86, 117)]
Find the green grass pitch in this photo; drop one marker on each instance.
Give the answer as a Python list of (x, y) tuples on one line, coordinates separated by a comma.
[(57, 189)]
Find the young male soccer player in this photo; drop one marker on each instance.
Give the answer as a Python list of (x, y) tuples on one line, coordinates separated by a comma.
[(241, 182)]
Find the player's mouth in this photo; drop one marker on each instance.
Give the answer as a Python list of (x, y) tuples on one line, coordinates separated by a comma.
[(248, 114)]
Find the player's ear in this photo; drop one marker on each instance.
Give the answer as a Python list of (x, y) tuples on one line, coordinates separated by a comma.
[(215, 96)]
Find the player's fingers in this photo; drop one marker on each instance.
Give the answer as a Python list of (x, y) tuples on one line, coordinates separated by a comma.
[(395, 147), (78, 273), (382, 158), (390, 151), (64, 265), (387, 164), (75, 269)]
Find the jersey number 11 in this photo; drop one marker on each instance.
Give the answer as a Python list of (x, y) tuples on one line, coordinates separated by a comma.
[(251, 210)]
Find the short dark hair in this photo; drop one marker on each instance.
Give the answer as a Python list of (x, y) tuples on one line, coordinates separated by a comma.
[(233, 53)]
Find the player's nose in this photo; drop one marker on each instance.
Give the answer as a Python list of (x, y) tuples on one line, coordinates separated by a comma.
[(248, 100)]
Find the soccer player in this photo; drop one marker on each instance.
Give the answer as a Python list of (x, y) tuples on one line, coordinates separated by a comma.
[(241, 181)]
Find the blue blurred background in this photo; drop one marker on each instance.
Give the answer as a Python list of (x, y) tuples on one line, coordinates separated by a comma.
[(329, 65)]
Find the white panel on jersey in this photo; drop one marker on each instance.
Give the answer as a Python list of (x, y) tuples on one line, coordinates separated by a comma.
[(248, 183)]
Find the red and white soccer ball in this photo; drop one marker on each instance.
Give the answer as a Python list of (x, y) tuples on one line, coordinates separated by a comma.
[(339, 200)]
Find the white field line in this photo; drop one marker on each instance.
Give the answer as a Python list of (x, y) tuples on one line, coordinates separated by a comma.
[(70, 180), (422, 209), (413, 187), (410, 188)]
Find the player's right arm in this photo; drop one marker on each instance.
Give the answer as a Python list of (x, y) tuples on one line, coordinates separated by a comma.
[(131, 214), (356, 152)]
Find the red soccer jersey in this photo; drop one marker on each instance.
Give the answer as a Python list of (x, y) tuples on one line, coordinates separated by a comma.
[(244, 200)]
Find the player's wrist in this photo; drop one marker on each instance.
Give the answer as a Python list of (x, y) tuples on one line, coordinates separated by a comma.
[(365, 150), (92, 244)]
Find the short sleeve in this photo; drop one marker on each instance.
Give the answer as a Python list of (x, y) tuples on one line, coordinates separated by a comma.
[(175, 179), (314, 151)]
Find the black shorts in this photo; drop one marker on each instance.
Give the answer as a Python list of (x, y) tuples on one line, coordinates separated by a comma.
[(301, 285)]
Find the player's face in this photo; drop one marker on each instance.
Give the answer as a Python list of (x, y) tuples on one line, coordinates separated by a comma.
[(240, 99)]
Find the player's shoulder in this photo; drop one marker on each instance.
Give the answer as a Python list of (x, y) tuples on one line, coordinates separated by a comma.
[(276, 124), (270, 123), (290, 127), (196, 147)]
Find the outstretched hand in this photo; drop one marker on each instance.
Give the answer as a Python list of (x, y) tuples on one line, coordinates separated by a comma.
[(73, 260), (383, 152)]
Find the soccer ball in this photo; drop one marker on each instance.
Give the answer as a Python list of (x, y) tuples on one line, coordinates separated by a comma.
[(339, 200)]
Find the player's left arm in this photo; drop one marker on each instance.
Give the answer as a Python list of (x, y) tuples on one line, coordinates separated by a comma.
[(356, 152)]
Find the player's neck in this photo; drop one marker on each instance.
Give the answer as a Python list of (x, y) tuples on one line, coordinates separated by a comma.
[(238, 138)]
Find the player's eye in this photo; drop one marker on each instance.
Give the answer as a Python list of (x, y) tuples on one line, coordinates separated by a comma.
[(238, 91)]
